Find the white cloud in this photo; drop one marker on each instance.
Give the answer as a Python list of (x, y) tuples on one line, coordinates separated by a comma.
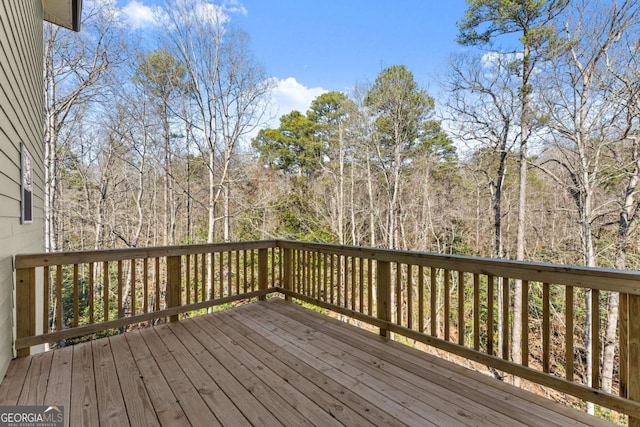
[(140, 16), (288, 95)]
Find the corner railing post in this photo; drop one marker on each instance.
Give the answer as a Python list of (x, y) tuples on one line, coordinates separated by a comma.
[(633, 353), (25, 306), (383, 294), (287, 272), (174, 284), (263, 271)]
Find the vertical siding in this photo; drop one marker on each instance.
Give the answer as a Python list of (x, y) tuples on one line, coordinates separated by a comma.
[(20, 122)]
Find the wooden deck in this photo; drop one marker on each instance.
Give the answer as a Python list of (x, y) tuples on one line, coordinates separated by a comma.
[(268, 363)]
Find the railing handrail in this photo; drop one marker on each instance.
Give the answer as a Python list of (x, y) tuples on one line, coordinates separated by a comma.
[(48, 259), (606, 279)]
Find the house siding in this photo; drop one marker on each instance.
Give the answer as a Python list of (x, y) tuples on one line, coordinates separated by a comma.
[(21, 121)]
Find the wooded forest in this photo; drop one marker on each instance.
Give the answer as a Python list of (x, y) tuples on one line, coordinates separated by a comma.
[(529, 155), (155, 148)]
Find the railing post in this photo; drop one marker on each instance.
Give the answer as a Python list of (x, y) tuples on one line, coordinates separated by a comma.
[(174, 284), (25, 306), (286, 259), (633, 353), (263, 271), (383, 294)]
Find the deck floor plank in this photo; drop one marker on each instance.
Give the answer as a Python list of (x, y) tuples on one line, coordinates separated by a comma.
[(59, 387), (469, 410), (374, 396), (318, 387), (252, 409), (83, 409), (253, 360), (136, 399), (279, 407), (424, 402), (165, 404), (267, 364), (497, 394), (219, 403), (186, 394), (111, 407), (14, 380), (35, 384)]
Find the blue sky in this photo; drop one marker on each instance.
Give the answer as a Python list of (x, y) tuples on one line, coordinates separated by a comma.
[(314, 46)]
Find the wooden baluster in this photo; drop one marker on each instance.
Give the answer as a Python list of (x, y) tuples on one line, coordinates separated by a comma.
[(59, 298), (263, 271), (623, 341), (490, 306), (196, 280), (221, 274), (244, 270), (361, 284), (595, 339), (188, 279), (272, 262), (91, 291), (354, 291), (370, 287), (546, 330), (460, 308), (332, 287), (174, 284), (203, 263), (476, 311), (447, 304), (383, 291), (433, 301), (505, 318), (409, 296), (229, 273), (287, 279), (633, 353), (346, 281), (76, 296), (421, 298), (47, 300), (120, 313), (525, 323), (398, 286), (569, 332), (133, 287), (25, 306), (339, 277), (145, 284), (157, 274)]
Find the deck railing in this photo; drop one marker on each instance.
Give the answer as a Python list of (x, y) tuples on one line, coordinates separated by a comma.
[(459, 304), (89, 292)]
